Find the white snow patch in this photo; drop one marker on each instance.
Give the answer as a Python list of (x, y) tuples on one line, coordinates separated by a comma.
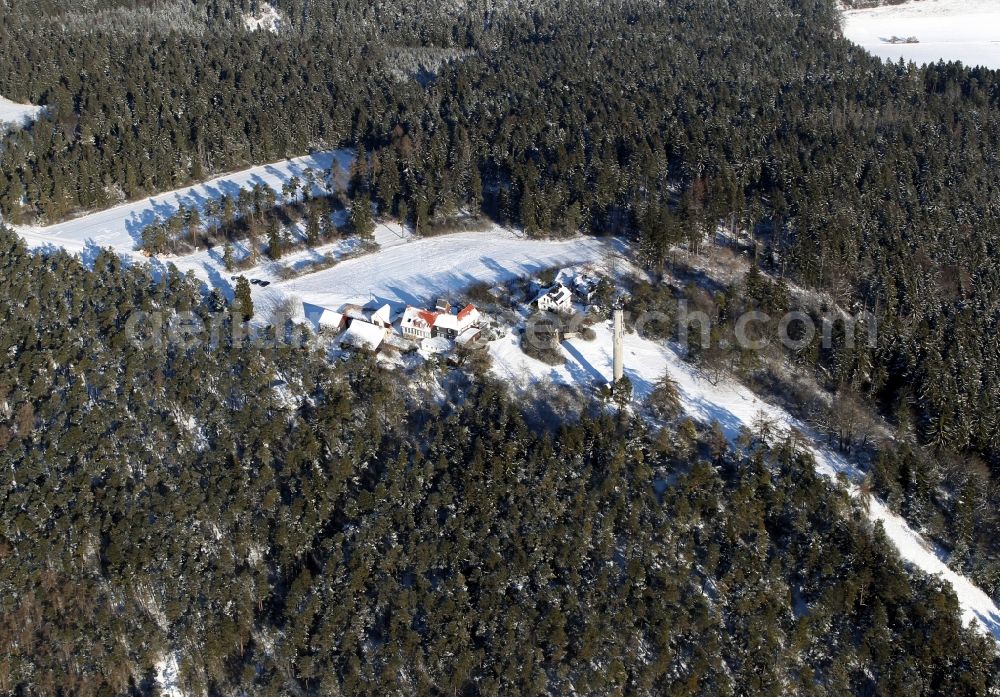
[(167, 676), (962, 30), (267, 18), (16, 115)]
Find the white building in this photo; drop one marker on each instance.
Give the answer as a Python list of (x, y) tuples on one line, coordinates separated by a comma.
[(417, 324), (420, 324), (586, 287), (556, 299)]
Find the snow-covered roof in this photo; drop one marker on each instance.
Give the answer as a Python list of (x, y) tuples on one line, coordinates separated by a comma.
[(415, 318), (468, 311), (382, 315), (330, 318), (446, 321), (558, 294), (355, 312), (467, 336), (363, 335)]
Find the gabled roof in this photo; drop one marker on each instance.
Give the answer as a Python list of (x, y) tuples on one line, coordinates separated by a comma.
[(383, 314), (329, 318), (446, 321), (363, 335), (466, 311), (468, 335), (558, 293), (354, 312), (418, 319)]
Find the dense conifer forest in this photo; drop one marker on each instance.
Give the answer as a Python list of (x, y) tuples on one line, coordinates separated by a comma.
[(359, 542), (168, 503)]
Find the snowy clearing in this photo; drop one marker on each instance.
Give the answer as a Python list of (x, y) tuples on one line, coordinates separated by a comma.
[(405, 269), (734, 407), (267, 18), (962, 30), (121, 227), (13, 114), (415, 271)]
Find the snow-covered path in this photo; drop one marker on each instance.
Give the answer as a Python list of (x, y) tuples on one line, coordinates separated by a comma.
[(121, 227), (734, 406), (963, 30)]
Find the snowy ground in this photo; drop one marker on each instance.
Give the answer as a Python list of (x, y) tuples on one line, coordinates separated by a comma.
[(405, 269), (168, 676), (416, 271), (121, 227), (963, 30), (267, 18), (733, 406), (14, 114)]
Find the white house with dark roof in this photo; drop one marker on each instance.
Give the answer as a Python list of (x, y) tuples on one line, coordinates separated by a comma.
[(556, 299)]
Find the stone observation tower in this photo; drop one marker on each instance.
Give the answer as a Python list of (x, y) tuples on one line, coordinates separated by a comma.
[(619, 339)]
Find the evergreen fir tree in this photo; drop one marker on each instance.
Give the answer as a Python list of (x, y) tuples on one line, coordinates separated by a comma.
[(361, 217), (243, 301), (227, 256)]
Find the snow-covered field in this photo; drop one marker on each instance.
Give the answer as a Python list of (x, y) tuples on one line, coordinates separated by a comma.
[(963, 30), (405, 270), (734, 407), (121, 227), (416, 271), (14, 114)]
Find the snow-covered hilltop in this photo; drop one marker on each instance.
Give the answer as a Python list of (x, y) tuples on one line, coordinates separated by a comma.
[(409, 270), (734, 406), (925, 31)]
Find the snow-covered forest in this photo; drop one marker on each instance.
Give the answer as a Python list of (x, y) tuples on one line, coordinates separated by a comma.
[(277, 518)]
